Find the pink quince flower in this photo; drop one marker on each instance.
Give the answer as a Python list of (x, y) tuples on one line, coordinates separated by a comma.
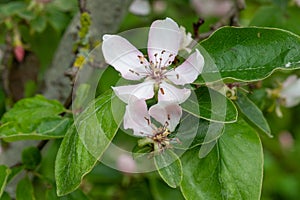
[(164, 41), (138, 118)]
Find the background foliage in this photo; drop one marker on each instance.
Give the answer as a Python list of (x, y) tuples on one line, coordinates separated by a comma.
[(34, 34)]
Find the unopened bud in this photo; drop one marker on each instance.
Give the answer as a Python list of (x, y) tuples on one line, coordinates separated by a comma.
[(19, 53)]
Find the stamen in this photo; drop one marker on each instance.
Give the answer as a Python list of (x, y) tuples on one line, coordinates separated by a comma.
[(163, 51), (148, 120), (160, 59), (167, 123), (162, 91), (142, 59), (177, 76), (169, 118)]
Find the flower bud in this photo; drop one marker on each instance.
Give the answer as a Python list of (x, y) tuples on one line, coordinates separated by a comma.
[(19, 53)]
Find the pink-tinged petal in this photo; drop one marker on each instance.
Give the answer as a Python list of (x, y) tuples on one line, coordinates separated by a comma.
[(166, 113), (291, 93), (186, 40), (124, 57), (188, 71), (168, 92), (140, 7), (290, 80), (126, 163), (164, 42), (137, 118), (142, 90)]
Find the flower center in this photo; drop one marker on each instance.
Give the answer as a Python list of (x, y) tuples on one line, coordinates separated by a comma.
[(157, 68)]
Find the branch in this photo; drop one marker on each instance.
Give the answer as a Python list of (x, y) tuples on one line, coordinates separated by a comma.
[(231, 18)]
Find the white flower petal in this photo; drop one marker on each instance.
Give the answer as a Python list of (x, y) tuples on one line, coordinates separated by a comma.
[(186, 40), (166, 113), (124, 57), (142, 90), (140, 7), (168, 92), (164, 35), (188, 71), (290, 80), (137, 118), (291, 93)]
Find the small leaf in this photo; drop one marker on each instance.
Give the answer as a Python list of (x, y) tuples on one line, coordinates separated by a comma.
[(29, 111), (232, 170), (14, 171), (39, 23), (34, 118), (51, 128), (169, 168), (57, 19), (195, 132), (31, 158), (65, 6), (4, 173), (211, 105), (208, 132), (26, 14), (250, 54), (25, 190), (12, 8), (86, 141), (138, 151), (252, 113)]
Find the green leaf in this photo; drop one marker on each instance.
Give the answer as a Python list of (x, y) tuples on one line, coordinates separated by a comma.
[(76, 195), (25, 190), (194, 132), (232, 170), (31, 158), (211, 105), (26, 14), (138, 151), (51, 128), (169, 168), (29, 111), (57, 19), (252, 113), (161, 191), (65, 6), (5, 196), (39, 23), (12, 8), (14, 171), (86, 141), (34, 118), (250, 54), (274, 16), (4, 173), (207, 132)]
